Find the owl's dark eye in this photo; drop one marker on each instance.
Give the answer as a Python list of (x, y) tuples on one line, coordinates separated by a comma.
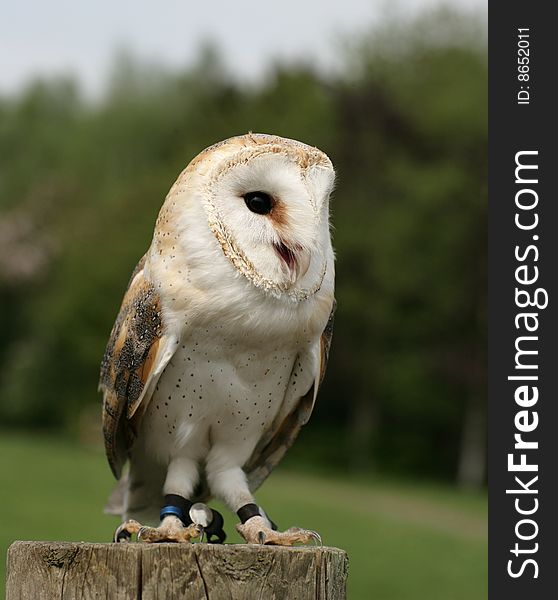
[(259, 202)]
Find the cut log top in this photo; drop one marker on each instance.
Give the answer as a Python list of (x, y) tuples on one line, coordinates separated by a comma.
[(68, 571)]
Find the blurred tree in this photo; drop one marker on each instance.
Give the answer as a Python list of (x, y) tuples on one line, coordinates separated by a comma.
[(405, 124), (412, 116)]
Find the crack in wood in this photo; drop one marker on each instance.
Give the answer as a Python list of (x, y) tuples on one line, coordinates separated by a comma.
[(205, 589)]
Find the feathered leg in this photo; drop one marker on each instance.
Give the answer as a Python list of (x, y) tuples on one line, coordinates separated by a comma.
[(229, 483)]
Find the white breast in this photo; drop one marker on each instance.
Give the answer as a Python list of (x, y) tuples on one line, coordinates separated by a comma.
[(217, 391)]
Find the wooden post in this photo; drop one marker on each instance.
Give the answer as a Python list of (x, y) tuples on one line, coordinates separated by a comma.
[(72, 571)]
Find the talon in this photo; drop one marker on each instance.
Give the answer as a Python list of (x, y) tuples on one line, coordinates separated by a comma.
[(125, 530), (194, 531), (261, 537), (122, 536), (317, 538)]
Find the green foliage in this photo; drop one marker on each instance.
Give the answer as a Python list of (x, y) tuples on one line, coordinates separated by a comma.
[(81, 185)]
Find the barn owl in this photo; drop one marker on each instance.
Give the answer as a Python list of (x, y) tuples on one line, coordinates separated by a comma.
[(221, 343)]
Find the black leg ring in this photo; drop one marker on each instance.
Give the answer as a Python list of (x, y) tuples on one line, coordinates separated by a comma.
[(253, 510), (178, 506), (214, 531), (247, 512)]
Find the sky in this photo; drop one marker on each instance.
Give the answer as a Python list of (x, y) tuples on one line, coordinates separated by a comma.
[(81, 38)]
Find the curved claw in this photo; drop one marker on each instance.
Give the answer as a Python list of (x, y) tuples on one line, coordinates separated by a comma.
[(121, 536), (316, 537), (124, 531)]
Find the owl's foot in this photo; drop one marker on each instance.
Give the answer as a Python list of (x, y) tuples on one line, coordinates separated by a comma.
[(181, 521), (170, 530), (256, 530)]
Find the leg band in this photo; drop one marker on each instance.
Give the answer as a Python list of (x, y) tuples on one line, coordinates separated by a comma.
[(177, 506), (247, 512), (253, 510), (214, 531)]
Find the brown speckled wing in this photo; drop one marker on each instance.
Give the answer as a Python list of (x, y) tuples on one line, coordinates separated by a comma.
[(132, 358), (265, 458)]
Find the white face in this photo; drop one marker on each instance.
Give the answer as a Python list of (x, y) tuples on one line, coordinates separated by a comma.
[(277, 214)]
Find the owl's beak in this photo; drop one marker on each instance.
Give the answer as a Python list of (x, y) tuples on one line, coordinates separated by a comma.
[(296, 260)]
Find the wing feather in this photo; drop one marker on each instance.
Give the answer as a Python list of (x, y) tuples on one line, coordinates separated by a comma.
[(136, 355), (274, 445)]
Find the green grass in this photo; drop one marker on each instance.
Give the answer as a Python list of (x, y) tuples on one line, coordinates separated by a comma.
[(405, 541)]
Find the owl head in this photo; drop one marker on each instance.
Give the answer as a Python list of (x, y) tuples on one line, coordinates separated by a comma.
[(266, 200)]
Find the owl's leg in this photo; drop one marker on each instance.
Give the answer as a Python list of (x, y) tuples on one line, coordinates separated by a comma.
[(230, 484), (181, 519)]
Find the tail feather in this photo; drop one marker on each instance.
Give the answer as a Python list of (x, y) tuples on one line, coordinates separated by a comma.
[(116, 503)]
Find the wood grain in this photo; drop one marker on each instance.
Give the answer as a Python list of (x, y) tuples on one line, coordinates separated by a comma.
[(68, 571)]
